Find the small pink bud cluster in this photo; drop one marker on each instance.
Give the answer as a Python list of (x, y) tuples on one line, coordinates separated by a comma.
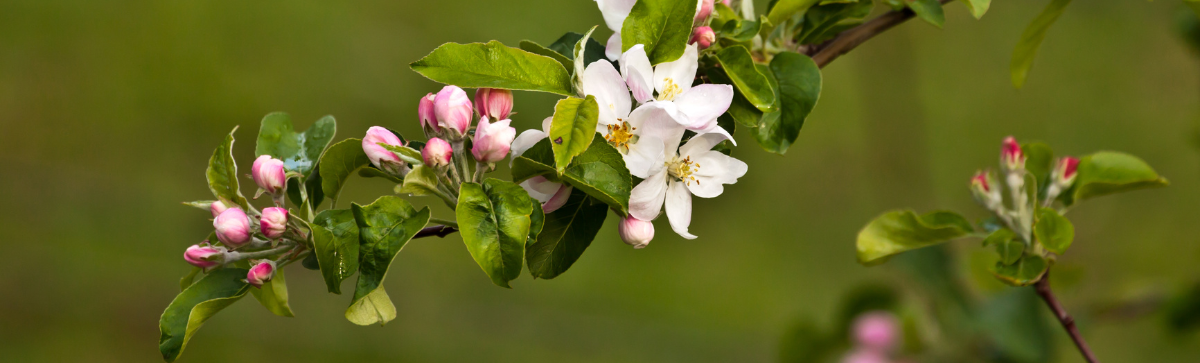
[(636, 232), (233, 227), (492, 140), (205, 256), (260, 273), (703, 37), (429, 121), (704, 9), (983, 188), (380, 156), (216, 208), (875, 335), (493, 103), (437, 153), (1011, 157), (1065, 172), (452, 109), (273, 222), (269, 174)]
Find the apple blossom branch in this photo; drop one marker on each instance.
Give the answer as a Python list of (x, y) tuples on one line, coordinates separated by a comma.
[(826, 52)]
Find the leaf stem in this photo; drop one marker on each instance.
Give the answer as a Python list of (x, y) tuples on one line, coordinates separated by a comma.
[(238, 256), (1043, 289)]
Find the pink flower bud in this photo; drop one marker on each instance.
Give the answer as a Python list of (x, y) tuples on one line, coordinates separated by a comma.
[(453, 109), (980, 182), (558, 199), (494, 103), (1011, 156), (216, 208), (703, 9), (429, 119), (273, 222), (233, 227), (877, 331), (636, 232), (204, 257), (268, 173), (261, 273), (492, 140), (377, 135), (1065, 171), (437, 153), (703, 37)]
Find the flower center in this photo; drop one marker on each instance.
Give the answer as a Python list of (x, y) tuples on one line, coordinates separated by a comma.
[(670, 90), (620, 135), (683, 170)]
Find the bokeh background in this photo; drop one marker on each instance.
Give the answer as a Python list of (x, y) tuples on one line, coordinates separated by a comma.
[(110, 110)]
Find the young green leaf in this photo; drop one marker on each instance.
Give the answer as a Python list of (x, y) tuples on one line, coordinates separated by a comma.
[(1053, 231), (1109, 172), (572, 128), (600, 171), (799, 81), (384, 227), (928, 10), (662, 26), (903, 230), (493, 65), (494, 220), (977, 7), (1031, 39), (722, 14), (335, 243), (1007, 245), (579, 54), (1026, 271), (338, 163), (299, 151), (222, 174), (739, 66), (567, 232), (274, 295), (195, 305), (1039, 160), (422, 180)]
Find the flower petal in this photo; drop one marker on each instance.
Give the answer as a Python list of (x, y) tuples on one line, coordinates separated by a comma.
[(635, 67), (714, 169), (646, 199), (704, 103), (699, 144), (615, 12), (540, 188), (523, 142), (612, 49), (654, 120), (602, 81), (645, 157), (679, 208), (681, 71), (558, 199)]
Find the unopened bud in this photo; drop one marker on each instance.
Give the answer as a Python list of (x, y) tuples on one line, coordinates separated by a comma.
[(233, 227), (380, 156), (268, 173), (983, 188), (429, 121), (262, 272), (453, 109), (492, 140), (704, 8), (1011, 156), (205, 257), (1065, 171), (216, 208), (437, 153), (636, 232), (273, 222), (494, 103), (877, 331), (703, 37)]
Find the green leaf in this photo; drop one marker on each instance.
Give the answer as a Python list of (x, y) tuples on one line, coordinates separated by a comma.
[(420, 181), (312, 185), (1109, 172), (1053, 231), (494, 220), (274, 295), (494, 65), (903, 230), (600, 171), (739, 66), (335, 243), (579, 54), (535, 48), (187, 280), (1026, 271), (722, 14), (784, 9), (222, 174), (823, 22), (195, 305), (384, 227), (373, 172), (662, 26), (567, 232), (799, 81), (1031, 39), (299, 151), (572, 128), (338, 163), (1039, 161), (766, 132), (739, 31), (928, 10), (1007, 245), (405, 153), (565, 45), (977, 7)]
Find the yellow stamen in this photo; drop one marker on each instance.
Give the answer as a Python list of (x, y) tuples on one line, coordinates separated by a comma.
[(683, 170), (620, 135), (670, 90)]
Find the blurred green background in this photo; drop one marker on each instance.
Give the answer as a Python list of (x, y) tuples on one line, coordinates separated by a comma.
[(110, 110)]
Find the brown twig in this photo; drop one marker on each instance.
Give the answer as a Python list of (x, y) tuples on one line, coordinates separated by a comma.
[(826, 52), (1043, 289), (439, 231)]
